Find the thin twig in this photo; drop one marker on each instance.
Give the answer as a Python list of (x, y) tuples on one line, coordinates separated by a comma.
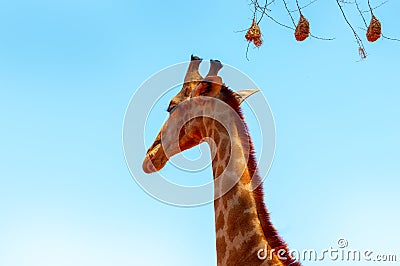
[(279, 23), (238, 31), (263, 11), (321, 38), (298, 7), (370, 8), (381, 4), (312, 2), (247, 51), (392, 39), (361, 48), (361, 13), (288, 11)]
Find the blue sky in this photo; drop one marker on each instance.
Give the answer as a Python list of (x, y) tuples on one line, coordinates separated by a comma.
[(68, 70)]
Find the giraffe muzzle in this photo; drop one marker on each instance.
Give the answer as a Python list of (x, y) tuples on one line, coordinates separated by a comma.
[(155, 160)]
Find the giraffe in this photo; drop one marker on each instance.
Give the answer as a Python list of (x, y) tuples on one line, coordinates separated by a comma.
[(244, 233)]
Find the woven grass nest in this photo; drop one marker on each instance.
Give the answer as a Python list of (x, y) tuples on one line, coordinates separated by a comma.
[(254, 34), (302, 30), (374, 29)]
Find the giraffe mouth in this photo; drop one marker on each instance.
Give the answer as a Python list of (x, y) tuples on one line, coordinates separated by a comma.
[(155, 159)]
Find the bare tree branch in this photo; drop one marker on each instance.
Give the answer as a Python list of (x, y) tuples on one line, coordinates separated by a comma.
[(307, 5), (361, 13), (361, 48), (302, 29), (288, 11)]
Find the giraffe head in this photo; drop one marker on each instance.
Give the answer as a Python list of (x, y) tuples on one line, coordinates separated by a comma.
[(188, 114)]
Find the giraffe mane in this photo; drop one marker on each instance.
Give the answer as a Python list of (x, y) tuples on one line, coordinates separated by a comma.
[(270, 233)]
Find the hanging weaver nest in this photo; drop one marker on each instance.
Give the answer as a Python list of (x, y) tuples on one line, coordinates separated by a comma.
[(254, 34), (302, 29), (374, 29)]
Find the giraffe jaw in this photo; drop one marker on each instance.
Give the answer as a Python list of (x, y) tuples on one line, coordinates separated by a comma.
[(155, 160)]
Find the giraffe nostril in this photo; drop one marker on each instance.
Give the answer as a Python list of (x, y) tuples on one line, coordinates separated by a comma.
[(148, 166)]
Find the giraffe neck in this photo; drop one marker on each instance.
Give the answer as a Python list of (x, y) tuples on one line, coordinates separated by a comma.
[(239, 231)]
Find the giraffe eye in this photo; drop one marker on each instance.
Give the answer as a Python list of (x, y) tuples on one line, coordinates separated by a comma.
[(207, 89), (171, 108)]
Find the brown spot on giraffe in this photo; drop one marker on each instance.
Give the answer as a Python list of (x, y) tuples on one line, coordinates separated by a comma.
[(221, 246), (219, 171), (247, 248), (220, 221)]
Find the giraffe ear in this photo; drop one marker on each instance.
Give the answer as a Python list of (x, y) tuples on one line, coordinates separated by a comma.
[(244, 94), (210, 86)]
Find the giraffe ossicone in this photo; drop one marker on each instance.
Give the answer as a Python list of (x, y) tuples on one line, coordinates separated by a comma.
[(206, 110)]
